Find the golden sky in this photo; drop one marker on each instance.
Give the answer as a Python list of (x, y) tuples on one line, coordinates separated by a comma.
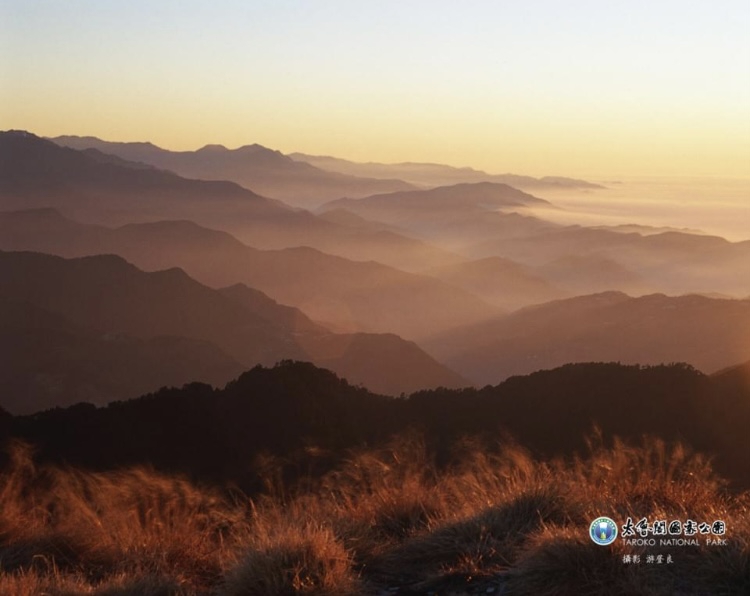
[(577, 88)]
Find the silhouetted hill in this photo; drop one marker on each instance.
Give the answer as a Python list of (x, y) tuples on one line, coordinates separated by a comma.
[(708, 333), (108, 294), (429, 174), (263, 170), (48, 361), (354, 296), (295, 411)]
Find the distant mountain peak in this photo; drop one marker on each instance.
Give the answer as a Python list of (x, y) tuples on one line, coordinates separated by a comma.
[(29, 138), (252, 149), (18, 133), (213, 147), (256, 148)]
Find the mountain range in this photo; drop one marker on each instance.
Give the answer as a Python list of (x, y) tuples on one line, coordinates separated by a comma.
[(347, 295), (98, 312), (441, 266), (306, 180), (431, 174), (484, 220), (255, 167), (99, 188)]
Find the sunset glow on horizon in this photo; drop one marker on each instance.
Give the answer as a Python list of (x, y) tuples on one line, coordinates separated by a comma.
[(580, 88)]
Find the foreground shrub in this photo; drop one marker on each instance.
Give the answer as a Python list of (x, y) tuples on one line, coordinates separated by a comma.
[(290, 560)]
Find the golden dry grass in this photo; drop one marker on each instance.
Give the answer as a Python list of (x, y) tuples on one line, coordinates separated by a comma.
[(291, 559), (131, 524), (387, 518)]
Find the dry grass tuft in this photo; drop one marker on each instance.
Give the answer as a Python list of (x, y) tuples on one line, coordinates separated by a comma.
[(133, 522), (386, 518), (479, 545), (293, 560)]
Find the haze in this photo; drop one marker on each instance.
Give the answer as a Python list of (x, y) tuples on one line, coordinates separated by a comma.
[(576, 88), (709, 205), (351, 298)]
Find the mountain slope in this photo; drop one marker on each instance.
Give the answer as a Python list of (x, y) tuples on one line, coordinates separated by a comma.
[(263, 170), (50, 362), (353, 296), (384, 362), (708, 333), (109, 295)]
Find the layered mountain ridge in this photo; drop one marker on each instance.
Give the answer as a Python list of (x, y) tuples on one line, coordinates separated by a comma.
[(255, 167), (100, 299)]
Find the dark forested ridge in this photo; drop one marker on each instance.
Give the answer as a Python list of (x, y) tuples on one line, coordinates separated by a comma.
[(310, 417)]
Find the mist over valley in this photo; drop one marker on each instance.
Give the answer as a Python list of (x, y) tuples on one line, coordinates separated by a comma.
[(350, 347)]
